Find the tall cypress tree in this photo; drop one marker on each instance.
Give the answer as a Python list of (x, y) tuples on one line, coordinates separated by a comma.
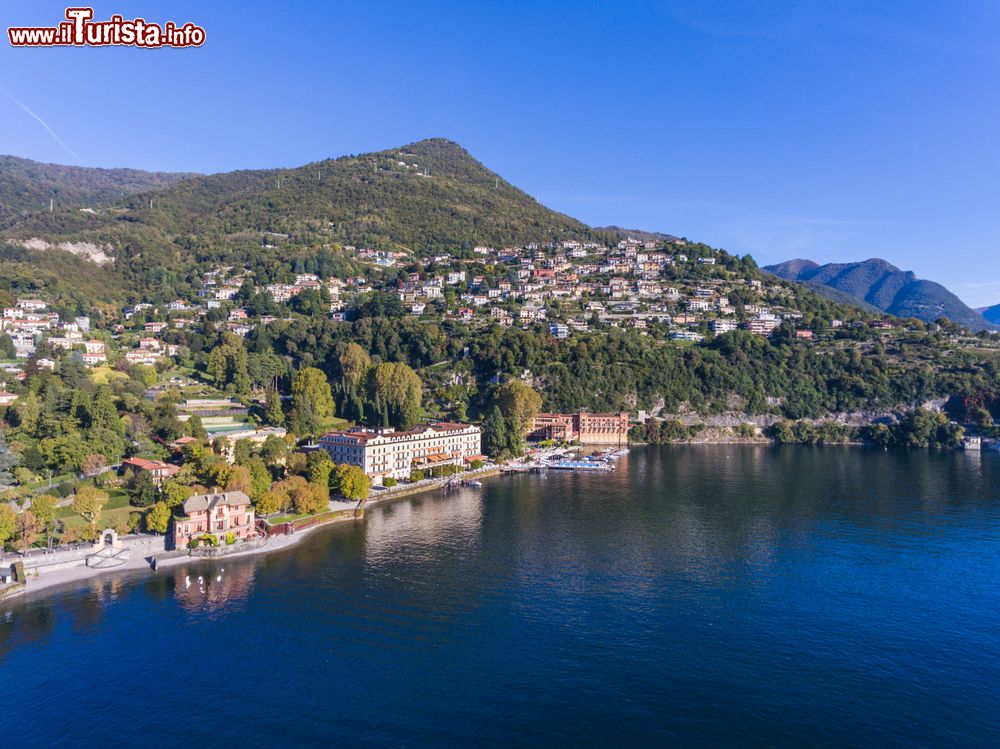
[(495, 439)]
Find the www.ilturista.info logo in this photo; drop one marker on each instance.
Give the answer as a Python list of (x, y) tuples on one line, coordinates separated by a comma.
[(80, 30)]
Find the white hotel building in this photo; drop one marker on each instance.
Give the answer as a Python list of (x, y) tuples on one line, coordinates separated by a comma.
[(386, 452)]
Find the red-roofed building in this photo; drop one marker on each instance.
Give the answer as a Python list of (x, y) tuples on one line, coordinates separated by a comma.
[(156, 469)]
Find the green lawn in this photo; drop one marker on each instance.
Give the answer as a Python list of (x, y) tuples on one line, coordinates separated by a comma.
[(333, 424), (286, 519), (116, 510), (54, 481), (108, 519), (117, 500)]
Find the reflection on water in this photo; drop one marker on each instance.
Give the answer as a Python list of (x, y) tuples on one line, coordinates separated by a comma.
[(700, 595), (213, 588), (426, 522)]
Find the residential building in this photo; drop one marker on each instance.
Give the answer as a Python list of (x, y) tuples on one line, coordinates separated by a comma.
[(722, 326), (156, 470), (217, 514)]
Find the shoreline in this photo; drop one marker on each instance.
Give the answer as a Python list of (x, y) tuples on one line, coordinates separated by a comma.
[(77, 576)]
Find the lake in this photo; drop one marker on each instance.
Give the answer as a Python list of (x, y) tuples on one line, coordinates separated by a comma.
[(698, 596)]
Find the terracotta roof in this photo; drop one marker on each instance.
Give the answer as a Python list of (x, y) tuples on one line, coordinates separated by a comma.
[(147, 465)]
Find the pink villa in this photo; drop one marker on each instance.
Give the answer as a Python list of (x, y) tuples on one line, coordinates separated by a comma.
[(217, 514)]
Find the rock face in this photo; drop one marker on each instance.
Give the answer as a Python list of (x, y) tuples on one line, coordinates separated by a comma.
[(882, 285)]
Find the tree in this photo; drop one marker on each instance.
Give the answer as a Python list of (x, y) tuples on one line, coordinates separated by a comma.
[(273, 413), (93, 464), (174, 492), (239, 480), (196, 429), (310, 498), (354, 363), (304, 419), (352, 482), (273, 451), (8, 523), (260, 476), (495, 440), (104, 413), (44, 507), (27, 529), (158, 518), (517, 398), (319, 467), (271, 502), (398, 388), (242, 450), (982, 418), (515, 435), (141, 487), (311, 384), (28, 412), (88, 504)]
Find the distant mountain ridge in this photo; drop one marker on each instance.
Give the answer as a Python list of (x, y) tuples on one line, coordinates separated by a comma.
[(992, 314), (882, 285), (27, 186)]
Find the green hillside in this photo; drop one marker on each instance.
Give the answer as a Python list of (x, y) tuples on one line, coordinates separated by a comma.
[(28, 186), (430, 195)]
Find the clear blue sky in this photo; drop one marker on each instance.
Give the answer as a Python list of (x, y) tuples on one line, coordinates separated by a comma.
[(831, 130)]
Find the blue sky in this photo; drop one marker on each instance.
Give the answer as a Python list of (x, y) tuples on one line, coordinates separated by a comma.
[(831, 130)]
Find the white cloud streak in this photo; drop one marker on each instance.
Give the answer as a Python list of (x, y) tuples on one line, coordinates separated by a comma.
[(44, 124)]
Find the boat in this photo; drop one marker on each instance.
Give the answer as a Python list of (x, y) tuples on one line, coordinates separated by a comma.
[(582, 465), (475, 484)]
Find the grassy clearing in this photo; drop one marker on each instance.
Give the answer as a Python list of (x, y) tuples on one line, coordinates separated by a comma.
[(108, 518), (333, 424), (286, 519)]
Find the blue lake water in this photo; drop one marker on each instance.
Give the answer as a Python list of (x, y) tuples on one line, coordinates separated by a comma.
[(699, 596)]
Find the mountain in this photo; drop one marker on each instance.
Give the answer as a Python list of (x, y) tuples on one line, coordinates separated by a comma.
[(27, 186), (427, 195), (992, 314), (884, 286)]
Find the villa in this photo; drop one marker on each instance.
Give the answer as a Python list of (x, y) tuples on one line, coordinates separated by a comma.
[(218, 514)]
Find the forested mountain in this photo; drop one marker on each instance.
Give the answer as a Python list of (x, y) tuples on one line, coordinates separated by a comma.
[(27, 186), (430, 195), (884, 286)]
